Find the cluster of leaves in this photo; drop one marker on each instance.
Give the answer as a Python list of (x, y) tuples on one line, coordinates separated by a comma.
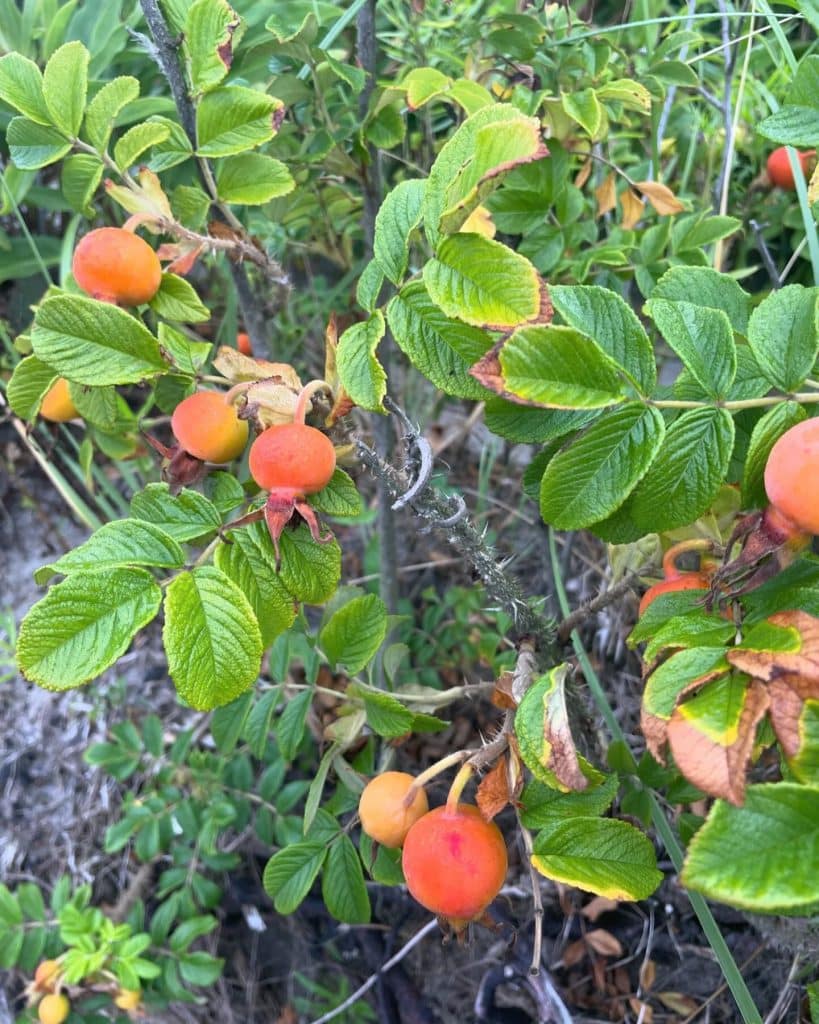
[(568, 366)]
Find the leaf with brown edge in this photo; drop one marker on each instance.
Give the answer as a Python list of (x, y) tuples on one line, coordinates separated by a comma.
[(238, 368), (499, 148), (655, 731), (794, 714), (493, 792), (790, 648), (660, 196), (606, 195), (633, 207), (544, 737), (712, 736)]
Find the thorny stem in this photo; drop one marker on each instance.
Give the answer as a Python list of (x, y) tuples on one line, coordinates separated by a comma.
[(585, 611), (436, 508)]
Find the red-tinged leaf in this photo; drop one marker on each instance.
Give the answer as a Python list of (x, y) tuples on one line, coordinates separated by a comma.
[(800, 658), (493, 792), (712, 736), (794, 714), (502, 695)]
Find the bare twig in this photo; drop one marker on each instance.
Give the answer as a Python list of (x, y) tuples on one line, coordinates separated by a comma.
[(765, 253), (374, 978), (585, 611), (787, 993)]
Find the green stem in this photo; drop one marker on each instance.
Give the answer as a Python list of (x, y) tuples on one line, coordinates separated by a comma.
[(804, 397), (731, 973)]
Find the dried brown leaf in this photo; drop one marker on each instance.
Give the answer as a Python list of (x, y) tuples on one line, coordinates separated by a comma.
[(606, 195), (493, 792), (633, 207), (660, 196), (603, 942), (597, 906)]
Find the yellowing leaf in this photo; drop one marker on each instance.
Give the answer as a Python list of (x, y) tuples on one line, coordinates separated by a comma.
[(813, 186), (660, 196), (480, 222)]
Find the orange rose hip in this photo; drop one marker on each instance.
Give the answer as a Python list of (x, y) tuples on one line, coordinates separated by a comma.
[(116, 265), (454, 862), (209, 428), (385, 816)]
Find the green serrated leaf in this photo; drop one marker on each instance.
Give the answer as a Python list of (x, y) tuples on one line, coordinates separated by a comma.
[(682, 481), (137, 140), (94, 342), (33, 145), (252, 179), (443, 349), (120, 543), (339, 499), (290, 726), (290, 873), (310, 570), (28, 385), (706, 287), (610, 321), (594, 475), (104, 107), (703, 340), (97, 406), (584, 107), (65, 86), (398, 217), (361, 374), (178, 300), (779, 823), (556, 367), (791, 126), (84, 624), (783, 333), (185, 516), (601, 855), (544, 806), (21, 86), (483, 282), (80, 178), (232, 119), (342, 883), (250, 561), (353, 634), (211, 637)]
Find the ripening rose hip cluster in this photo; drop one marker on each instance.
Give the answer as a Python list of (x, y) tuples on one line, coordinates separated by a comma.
[(454, 860)]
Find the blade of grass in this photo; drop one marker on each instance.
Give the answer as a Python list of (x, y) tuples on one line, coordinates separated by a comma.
[(733, 977)]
